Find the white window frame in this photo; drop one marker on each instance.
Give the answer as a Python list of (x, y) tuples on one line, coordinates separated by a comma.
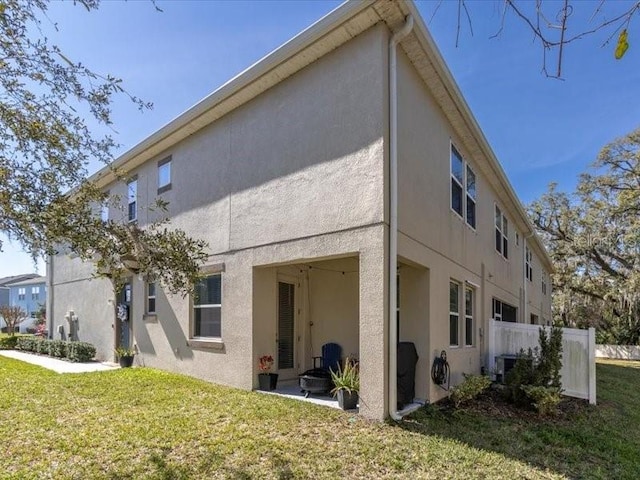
[(35, 293), (456, 314), (528, 260), (22, 293), (201, 306), (453, 150), (503, 229), (469, 320), (164, 165), (466, 195), (151, 297), (499, 315), (132, 199)]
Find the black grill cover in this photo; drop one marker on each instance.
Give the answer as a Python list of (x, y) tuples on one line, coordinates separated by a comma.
[(407, 360)]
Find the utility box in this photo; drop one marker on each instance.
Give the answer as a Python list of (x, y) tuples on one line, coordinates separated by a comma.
[(504, 364)]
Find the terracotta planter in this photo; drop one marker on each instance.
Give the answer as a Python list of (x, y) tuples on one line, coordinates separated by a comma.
[(267, 381)]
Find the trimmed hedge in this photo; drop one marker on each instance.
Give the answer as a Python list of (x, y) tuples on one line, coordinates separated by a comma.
[(74, 351), (8, 343)]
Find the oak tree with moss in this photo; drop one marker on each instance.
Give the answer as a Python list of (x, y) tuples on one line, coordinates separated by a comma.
[(593, 236)]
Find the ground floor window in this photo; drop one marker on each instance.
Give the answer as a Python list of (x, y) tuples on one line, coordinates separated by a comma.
[(207, 307), (454, 314), (504, 312), (469, 301), (151, 297)]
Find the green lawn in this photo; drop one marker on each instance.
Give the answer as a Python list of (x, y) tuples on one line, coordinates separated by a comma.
[(144, 423)]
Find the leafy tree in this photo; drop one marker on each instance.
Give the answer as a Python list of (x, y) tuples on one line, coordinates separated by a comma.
[(12, 317), (593, 236), (45, 149)]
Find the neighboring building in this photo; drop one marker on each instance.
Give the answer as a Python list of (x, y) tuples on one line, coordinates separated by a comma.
[(5, 297), (31, 296), (287, 171)]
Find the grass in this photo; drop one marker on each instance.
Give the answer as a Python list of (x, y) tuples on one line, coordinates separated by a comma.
[(144, 423)]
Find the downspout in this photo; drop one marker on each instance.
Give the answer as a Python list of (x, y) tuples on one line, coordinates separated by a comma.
[(524, 276), (393, 215), (49, 302)]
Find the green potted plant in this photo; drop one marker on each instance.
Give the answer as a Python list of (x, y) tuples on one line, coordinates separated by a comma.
[(125, 356), (267, 380), (346, 384)]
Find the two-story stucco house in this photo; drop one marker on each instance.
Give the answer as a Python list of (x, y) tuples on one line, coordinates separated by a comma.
[(347, 195)]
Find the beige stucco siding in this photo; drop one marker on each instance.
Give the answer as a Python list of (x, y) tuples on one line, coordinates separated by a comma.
[(294, 176), (433, 236), (302, 159)]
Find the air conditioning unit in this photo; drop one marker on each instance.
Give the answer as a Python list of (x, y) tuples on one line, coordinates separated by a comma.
[(504, 364)]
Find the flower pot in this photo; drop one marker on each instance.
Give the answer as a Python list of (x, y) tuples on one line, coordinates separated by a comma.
[(268, 381), (347, 400), (126, 361)]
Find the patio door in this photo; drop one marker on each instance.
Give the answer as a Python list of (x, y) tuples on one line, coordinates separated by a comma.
[(287, 334)]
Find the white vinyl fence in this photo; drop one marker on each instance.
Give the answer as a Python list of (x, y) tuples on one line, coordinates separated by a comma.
[(619, 352), (578, 373)]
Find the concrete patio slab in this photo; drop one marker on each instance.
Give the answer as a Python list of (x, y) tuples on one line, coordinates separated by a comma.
[(59, 366)]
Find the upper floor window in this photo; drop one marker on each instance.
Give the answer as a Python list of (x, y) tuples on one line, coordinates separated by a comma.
[(471, 197), (528, 260), (132, 198), (454, 314), (463, 188), (502, 233), (457, 180), (164, 175), (35, 293), (22, 293), (207, 307), (151, 297), (544, 284)]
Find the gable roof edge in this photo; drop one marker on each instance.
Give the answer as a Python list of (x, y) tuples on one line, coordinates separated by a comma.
[(437, 60)]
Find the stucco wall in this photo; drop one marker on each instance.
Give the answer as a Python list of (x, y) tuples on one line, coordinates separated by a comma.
[(293, 176), (434, 237)]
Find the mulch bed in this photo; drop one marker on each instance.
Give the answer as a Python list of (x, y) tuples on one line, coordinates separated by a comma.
[(492, 403)]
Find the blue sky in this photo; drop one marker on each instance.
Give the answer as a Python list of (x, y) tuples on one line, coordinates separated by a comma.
[(541, 129)]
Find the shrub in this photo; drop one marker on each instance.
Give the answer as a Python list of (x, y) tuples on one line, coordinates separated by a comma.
[(74, 351), (550, 359), (537, 368), (24, 343), (58, 348), (42, 346), (522, 373), (544, 399), (80, 351), (8, 343), (472, 386)]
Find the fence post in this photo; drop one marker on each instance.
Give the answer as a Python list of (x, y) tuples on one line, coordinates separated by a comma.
[(592, 366)]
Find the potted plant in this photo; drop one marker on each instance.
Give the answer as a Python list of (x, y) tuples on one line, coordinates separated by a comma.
[(266, 379), (125, 356), (346, 384)]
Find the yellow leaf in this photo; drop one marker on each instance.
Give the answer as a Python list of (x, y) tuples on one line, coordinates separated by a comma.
[(622, 45)]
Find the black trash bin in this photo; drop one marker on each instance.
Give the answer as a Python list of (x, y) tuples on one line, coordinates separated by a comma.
[(407, 360)]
